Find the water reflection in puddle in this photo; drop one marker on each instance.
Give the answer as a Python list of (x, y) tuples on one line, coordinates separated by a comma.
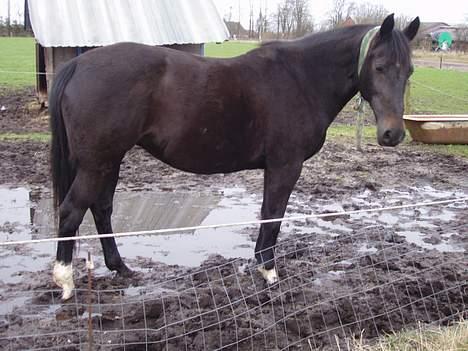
[(23, 217), (17, 218), (146, 211), (26, 214)]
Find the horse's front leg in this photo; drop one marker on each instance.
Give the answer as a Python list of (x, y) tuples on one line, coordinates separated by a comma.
[(278, 185)]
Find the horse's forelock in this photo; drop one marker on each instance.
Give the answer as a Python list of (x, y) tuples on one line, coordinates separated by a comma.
[(400, 48)]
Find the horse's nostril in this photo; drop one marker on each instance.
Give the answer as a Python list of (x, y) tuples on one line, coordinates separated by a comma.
[(387, 136)]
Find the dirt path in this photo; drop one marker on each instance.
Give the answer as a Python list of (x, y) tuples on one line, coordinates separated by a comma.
[(447, 63)]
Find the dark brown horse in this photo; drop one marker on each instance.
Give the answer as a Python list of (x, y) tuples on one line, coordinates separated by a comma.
[(268, 109)]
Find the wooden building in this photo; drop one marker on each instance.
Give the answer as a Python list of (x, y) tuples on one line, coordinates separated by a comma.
[(66, 29)]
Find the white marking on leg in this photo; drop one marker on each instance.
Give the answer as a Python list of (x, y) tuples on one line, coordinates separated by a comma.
[(270, 275), (63, 277)]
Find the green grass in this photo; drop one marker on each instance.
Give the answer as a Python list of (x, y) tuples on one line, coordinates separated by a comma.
[(229, 48), (339, 132), (18, 137), (454, 150), (17, 55), (435, 91), (425, 338)]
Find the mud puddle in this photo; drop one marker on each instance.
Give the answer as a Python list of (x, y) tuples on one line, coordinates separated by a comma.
[(355, 256), (27, 214)]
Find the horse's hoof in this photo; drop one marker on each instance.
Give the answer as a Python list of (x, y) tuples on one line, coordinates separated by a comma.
[(125, 272), (270, 275), (63, 277)]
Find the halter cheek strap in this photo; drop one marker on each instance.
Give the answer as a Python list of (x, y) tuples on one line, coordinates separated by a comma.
[(365, 43), (364, 49)]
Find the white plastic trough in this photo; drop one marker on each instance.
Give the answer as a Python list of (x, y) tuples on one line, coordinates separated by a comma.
[(438, 129)]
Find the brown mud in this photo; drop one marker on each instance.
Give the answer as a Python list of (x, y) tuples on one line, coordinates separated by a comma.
[(340, 277)]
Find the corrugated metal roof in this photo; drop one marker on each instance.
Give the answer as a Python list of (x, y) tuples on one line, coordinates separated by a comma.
[(102, 22)]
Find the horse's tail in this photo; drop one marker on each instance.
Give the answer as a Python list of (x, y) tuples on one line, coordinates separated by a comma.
[(63, 170)]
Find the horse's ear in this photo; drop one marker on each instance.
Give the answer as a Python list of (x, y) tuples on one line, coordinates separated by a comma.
[(387, 26), (412, 29)]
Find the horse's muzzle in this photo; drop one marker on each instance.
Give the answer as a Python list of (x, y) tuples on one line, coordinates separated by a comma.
[(391, 137)]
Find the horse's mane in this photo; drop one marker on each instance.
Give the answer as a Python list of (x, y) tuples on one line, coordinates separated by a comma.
[(399, 42), (319, 37)]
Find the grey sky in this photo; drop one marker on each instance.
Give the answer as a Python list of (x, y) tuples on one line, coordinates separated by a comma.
[(450, 11)]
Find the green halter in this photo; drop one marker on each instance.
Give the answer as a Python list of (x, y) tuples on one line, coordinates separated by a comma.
[(365, 43), (359, 107)]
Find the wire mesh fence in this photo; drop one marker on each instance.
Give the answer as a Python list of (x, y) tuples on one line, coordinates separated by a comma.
[(369, 282)]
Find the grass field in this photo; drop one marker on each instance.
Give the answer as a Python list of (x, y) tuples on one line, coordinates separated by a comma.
[(435, 91), (452, 338), (17, 55), (19, 137), (432, 91), (369, 135), (229, 49)]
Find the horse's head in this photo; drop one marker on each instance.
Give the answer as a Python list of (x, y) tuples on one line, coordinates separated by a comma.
[(386, 67)]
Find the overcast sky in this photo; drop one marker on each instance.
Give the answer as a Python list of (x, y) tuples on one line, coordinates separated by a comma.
[(449, 11)]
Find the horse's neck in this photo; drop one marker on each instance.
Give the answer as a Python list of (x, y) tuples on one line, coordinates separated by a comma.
[(332, 65)]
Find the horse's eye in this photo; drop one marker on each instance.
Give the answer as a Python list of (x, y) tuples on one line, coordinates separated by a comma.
[(380, 68)]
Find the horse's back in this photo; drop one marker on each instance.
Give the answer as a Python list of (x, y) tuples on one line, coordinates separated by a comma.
[(105, 101), (168, 102)]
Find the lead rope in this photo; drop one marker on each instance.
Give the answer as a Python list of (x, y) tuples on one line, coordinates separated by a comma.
[(360, 107), (360, 103)]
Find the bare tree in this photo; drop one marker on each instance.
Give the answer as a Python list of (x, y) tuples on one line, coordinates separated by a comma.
[(462, 33), (302, 18), (402, 21), (292, 19), (462, 36), (8, 19), (262, 24), (284, 19), (251, 20), (368, 13), (341, 10)]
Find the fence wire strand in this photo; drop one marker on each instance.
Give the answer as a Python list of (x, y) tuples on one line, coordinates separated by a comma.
[(225, 225), (279, 316)]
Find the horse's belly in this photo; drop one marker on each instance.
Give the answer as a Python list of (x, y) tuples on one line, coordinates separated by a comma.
[(211, 158)]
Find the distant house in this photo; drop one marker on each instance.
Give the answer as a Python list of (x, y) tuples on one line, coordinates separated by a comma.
[(236, 30), (348, 22), (430, 31), (432, 28), (66, 29)]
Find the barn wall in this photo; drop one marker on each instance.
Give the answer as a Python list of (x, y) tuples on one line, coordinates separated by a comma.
[(54, 58), (50, 60)]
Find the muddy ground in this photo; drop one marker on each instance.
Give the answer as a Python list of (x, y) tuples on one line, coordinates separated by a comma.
[(340, 277)]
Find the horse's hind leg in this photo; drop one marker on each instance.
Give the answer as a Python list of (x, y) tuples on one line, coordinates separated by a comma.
[(102, 212), (79, 198)]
